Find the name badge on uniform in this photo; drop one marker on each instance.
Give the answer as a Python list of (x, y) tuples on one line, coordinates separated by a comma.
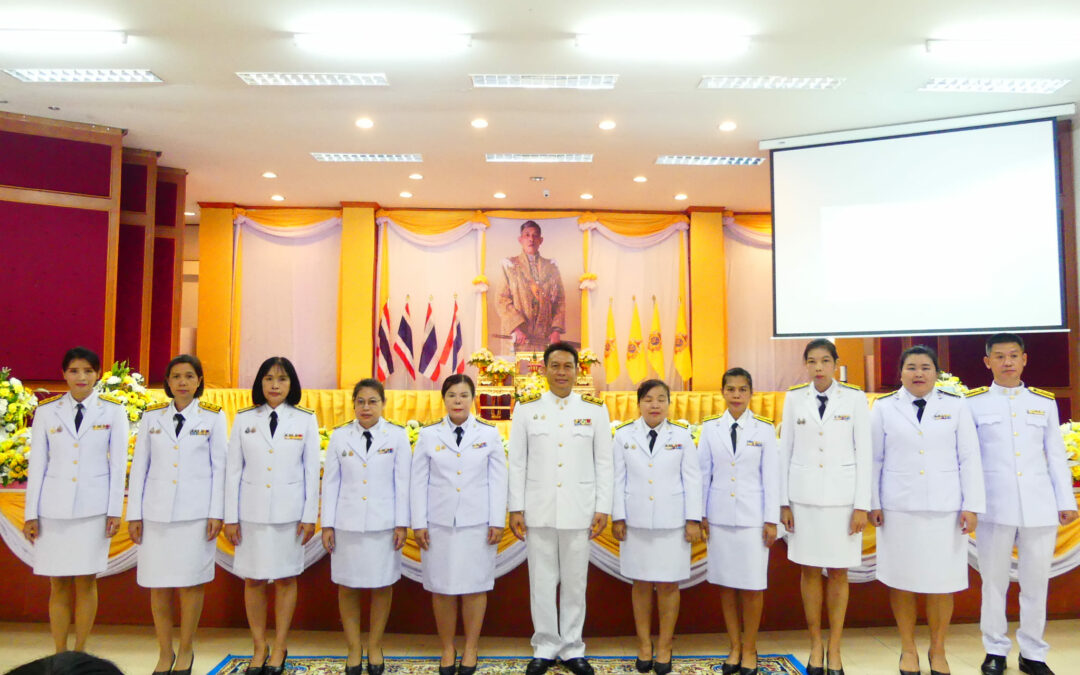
[(55, 430), (754, 444), (1036, 412), (200, 432), (943, 416), (673, 446), (842, 418), (249, 430), (385, 451), (583, 422), (480, 445), (294, 437), (801, 420), (101, 427)]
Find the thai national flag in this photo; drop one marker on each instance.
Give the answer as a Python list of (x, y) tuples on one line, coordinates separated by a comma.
[(450, 360), (384, 366), (403, 342), (428, 364)]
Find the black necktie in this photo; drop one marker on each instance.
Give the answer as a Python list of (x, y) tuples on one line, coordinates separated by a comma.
[(459, 432), (180, 423), (652, 439), (920, 404), (367, 437), (821, 408), (734, 446), (78, 415), (273, 423)]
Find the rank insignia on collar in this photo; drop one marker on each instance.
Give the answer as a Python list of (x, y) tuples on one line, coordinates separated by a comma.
[(480, 445), (584, 422), (801, 420), (943, 416), (754, 444)]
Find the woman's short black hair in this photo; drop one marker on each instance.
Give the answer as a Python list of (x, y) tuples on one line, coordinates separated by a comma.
[(195, 364), (68, 663), (820, 343), (293, 397), (560, 347), (919, 349), (369, 383), (82, 353), (458, 378), (738, 372), (648, 385), (1004, 339)]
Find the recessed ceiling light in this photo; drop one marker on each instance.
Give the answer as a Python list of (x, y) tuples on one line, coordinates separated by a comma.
[(189, 213), (277, 198), (545, 81), (366, 157), (727, 125), (700, 160), (994, 85), (276, 79), (84, 75), (269, 174), (539, 158), (681, 197), (416, 176), (586, 195), (365, 123), (537, 179), (769, 82), (640, 179), (607, 125), (479, 123), (65, 40), (500, 195), (405, 194)]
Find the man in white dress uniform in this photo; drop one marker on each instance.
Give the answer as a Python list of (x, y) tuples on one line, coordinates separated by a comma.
[(561, 481), (1028, 494)]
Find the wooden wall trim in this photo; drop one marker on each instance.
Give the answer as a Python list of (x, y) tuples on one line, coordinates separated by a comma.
[(1067, 192), (65, 199)]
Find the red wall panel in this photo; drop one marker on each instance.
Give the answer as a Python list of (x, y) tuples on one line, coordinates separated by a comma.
[(161, 308), (129, 288), (55, 164), (133, 187), (165, 207)]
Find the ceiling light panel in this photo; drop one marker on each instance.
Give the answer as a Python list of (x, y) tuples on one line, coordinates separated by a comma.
[(271, 79), (365, 157), (83, 75), (539, 158), (994, 85), (769, 82), (545, 81), (702, 160)]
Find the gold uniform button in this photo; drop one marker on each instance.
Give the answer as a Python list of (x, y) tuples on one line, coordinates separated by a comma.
[(459, 489), (922, 452), (1011, 397), (650, 498), (174, 482), (271, 452), (1014, 414), (176, 447), (922, 473), (175, 464), (75, 445), (269, 468), (821, 433), (1019, 473), (365, 466), (650, 481), (650, 465), (560, 464), (268, 485), (556, 485), (920, 433), (1016, 433), (77, 461), (560, 445), (74, 479), (365, 481), (459, 473), (560, 425), (732, 494), (821, 466), (1018, 454), (733, 479), (459, 454), (364, 498)]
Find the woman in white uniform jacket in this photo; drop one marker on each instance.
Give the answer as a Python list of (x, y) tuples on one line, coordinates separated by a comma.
[(176, 505), (271, 502), (459, 489), (740, 468), (927, 488), (825, 462), (365, 517), (75, 493), (656, 514)]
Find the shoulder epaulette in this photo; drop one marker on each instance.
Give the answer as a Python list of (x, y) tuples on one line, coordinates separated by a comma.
[(711, 418), (976, 392), (250, 407), (891, 393), (157, 406), (851, 386), (530, 398), (588, 398), (1041, 392), (207, 405), (766, 420), (110, 399), (431, 424), (481, 420), (949, 393), (624, 424), (799, 386), (52, 399), (307, 410), (677, 423), (343, 424)]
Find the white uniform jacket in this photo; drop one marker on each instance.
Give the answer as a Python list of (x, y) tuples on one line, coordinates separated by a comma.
[(560, 461), (741, 485), (1023, 456), (273, 480), (367, 490), (177, 478), (656, 490), (77, 475), (932, 465), (826, 460), (459, 485)]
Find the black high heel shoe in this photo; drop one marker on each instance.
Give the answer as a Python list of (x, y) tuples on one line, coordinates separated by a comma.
[(661, 667), (748, 671), (378, 668), (908, 672), (443, 670), (732, 668), (358, 669), (467, 670), (644, 666), (259, 670), (932, 671), (166, 672), (185, 671), (833, 671), (815, 670), (277, 670)]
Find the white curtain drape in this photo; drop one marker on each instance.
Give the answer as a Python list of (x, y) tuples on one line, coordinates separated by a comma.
[(289, 298)]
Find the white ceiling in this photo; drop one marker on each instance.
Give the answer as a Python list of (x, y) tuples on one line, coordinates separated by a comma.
[(226, 134)]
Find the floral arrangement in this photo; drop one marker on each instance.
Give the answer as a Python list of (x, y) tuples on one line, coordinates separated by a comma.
[(481, 358), (1070, 433), (127, 386), (412, 428), (951, 383), (532, 385), (16, 403), (14, 457), (587, 358), (501, 367)]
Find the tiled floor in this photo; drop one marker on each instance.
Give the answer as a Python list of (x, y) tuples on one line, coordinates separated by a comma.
[(867, 651)]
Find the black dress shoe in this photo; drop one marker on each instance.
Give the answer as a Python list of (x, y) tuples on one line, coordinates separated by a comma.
[(1034, 667), (731, 668), (932, 671), (376, 668), (994, 665), (579, 666), (445, 670), (468, 670), (259, 670), (749, 671), (277, 670), (661, 667), (834, 671), (643, 666), (166, 672), (814, 670), (358, 669), (539, 666), (185, 671)]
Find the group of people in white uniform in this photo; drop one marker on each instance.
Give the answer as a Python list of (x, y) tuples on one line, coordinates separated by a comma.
[(924, 466)]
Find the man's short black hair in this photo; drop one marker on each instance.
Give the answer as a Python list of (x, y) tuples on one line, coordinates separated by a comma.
[(560, 347), (1004, 339)]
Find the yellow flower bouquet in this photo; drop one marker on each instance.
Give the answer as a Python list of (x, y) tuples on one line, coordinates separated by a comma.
[(16, 403), (1070, 433), (14, 457)]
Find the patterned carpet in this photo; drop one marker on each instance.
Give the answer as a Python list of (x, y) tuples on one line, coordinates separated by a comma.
[(768, 664)]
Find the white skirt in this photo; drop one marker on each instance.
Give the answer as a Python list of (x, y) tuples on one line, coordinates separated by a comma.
[(738, 558), (268, 551), (71, 547), (655, 555), (364, 559), (821, 537), (922, 552), (175, 555), (459, 560)]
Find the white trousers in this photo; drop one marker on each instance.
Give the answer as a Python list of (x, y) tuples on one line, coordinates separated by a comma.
[(1036, 550), (557, 558)]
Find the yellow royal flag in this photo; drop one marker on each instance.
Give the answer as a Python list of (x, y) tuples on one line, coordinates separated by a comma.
[(611, 348), (636, 367), (682, 345), (654, 352)]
